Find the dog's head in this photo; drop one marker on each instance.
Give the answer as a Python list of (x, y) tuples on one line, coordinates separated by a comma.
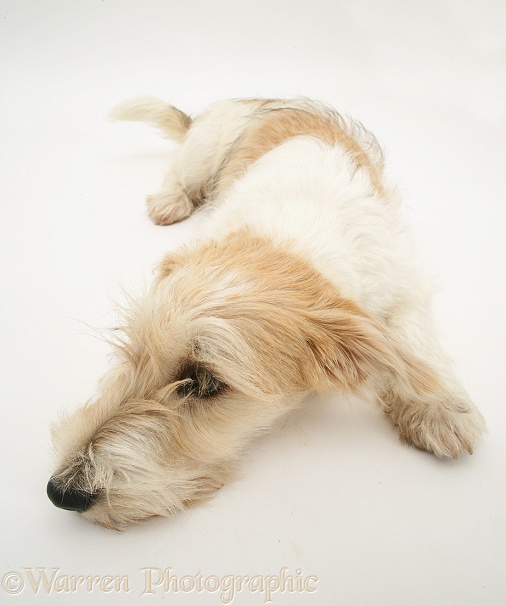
[(231, 335)]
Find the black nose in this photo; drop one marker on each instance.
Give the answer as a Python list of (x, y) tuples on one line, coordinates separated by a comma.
[(68, 498)]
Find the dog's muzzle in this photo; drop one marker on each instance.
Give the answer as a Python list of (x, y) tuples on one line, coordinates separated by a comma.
[(72, 500)]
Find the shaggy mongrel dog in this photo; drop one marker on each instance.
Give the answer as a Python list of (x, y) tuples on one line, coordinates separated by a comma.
[(304, 282)]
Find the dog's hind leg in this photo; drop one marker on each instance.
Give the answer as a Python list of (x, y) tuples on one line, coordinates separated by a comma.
[(437, 414), (171, 203), (206, 142)]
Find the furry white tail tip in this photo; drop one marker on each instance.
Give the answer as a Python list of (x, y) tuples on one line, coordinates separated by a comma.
[(173, 123)]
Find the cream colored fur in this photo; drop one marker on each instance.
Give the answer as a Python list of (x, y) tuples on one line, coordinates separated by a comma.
[(305, 281)]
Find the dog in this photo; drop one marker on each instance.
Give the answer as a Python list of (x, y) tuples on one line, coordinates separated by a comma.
[(305, 281)]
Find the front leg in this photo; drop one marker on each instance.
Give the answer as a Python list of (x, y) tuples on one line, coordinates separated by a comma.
[(446, 424), (442, 419)]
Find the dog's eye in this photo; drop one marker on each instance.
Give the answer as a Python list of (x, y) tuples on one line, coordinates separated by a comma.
[(199, 383)]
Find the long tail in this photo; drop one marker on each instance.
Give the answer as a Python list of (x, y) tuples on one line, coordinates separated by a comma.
[(173, 123)]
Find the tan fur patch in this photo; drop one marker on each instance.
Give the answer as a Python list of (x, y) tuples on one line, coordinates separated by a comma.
[(274, 125), (306, 333)]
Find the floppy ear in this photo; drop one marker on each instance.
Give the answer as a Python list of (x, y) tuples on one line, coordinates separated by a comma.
[(348, 346)]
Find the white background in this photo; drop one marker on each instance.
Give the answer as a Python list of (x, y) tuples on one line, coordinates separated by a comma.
[(332, 493)]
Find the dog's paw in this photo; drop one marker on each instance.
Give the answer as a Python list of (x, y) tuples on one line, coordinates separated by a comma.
[(448, 428), (167, 208)]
